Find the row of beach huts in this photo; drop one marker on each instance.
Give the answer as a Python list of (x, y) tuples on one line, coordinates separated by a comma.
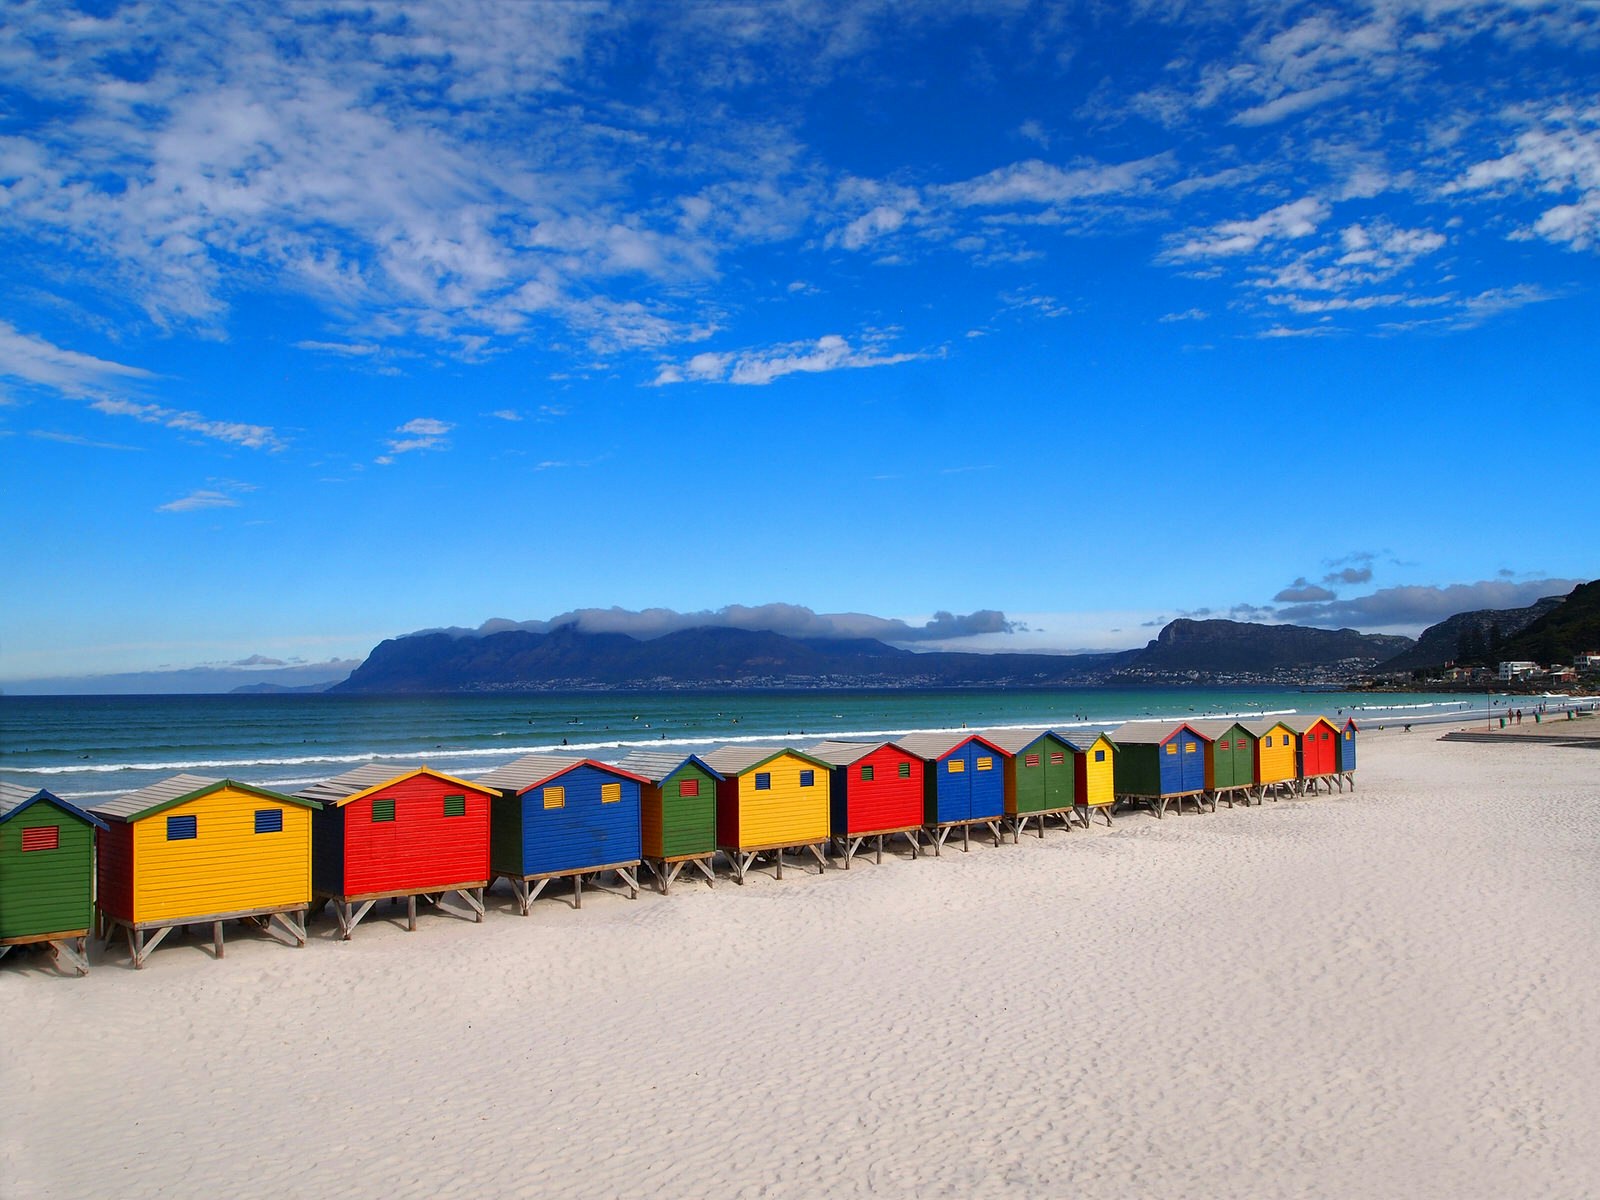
[(197, 852)]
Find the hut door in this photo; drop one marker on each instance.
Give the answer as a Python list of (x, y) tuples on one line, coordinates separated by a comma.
[(1057, 766), (1192, 755)]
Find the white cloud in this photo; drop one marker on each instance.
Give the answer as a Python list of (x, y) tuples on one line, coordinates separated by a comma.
[(830, 352), (32, 359), (238, 433), (1558, 153), (202, 499), (422, 433), (1296, 219)]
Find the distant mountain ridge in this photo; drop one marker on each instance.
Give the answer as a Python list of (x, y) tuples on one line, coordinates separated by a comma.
[(722, 657), (1477, 637)]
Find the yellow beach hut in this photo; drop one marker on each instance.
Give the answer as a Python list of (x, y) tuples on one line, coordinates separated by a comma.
[(1276, 773), (770, 799), (1094, 757), (196, 851)]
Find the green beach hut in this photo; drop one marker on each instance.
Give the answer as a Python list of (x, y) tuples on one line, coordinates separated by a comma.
[(1039, 777), (678, 809), (1230, 760), (46, 874)]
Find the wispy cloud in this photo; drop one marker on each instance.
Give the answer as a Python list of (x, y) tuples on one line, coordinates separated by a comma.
[(238, 433), (419, 433), (33, 359), (197, 500), (830, 352)]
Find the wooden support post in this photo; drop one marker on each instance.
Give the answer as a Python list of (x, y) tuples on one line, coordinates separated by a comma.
[(216, 938), (411, 914), (577, 891)]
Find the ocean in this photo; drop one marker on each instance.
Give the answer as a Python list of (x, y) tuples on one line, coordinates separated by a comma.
[(89, 747)]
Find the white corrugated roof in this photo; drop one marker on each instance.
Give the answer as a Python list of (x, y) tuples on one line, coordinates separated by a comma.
[(13, 794), (730, 760), (132, 803), (368, 775), (1013, 740), (527, 771), (654, 765), (933, 744)]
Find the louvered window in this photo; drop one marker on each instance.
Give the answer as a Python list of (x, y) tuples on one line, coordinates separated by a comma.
[(41, 837), (382, 810), (808, 778), (763, 781), (555, 797), (905, 770), (1058, 758), (610, 793), (1032, 760), (986, 763), (866, 774), (688, 787), (1099, 756), (957, 766), (269, 820), (182, 829), (455, 806)]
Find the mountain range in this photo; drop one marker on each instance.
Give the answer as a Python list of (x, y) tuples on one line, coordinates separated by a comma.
[(718, 657)]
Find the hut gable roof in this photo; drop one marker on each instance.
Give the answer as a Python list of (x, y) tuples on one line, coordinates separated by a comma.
[(739, 760), (15, 799), (168, 793), (373, 777), (1302, 722), (533, 770), (937, 743), (1083, 740), (1265, 725), (1014, 741), (1153, 733), (1212, 728), (843, 754), (655, 765), (1350, 723)]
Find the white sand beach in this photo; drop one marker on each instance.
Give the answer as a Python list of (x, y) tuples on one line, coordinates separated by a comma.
[(1389, 993)]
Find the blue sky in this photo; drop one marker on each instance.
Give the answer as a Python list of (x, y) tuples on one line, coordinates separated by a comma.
[(324, 323)]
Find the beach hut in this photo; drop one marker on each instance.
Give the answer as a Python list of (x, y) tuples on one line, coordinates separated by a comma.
[(876, 793), (389, 832), (1160, 763), (1276, 770), (771, 800), (196, 851), (678, 806), (1094, 757), (1347, 751), (964, 786), (1318, 752), (561, 817), (46, 874), (1038, 774), (1230, 760)]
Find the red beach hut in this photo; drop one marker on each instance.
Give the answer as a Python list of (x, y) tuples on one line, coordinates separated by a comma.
[(1316, 752), (876, 793), (386, 832)]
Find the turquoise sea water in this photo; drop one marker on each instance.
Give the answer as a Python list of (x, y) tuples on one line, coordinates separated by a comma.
[(94, 746)]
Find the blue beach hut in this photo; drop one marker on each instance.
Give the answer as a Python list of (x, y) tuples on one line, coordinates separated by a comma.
[(555, 816), (1160, 763), (965, 784)]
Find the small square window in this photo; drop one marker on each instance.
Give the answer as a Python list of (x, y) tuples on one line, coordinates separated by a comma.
[(382, 810), (182, 829), (41, 837), (866, 774), (1031, 760), (688, 787), (905, 770), (269, 820), (1188, 747), (808, 778), (455, 806), (957, 766), (555, 797), (986, 763), (1172, 747), (610, 793), (1099, 756), (1058, 758), (763, 781), (1267, 741)]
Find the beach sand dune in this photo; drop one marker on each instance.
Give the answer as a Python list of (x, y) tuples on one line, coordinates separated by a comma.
[(1390, 993)]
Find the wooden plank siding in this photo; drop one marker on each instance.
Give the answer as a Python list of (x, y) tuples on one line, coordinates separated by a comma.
[(871, 796), (1347, 746), (1095, 774), (1039, 777), (114, 870), (676, 824), (51, 889), (227, 866), (420, 847), (1318, 745), (1275, 754), (787, 813), (567, 823)]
